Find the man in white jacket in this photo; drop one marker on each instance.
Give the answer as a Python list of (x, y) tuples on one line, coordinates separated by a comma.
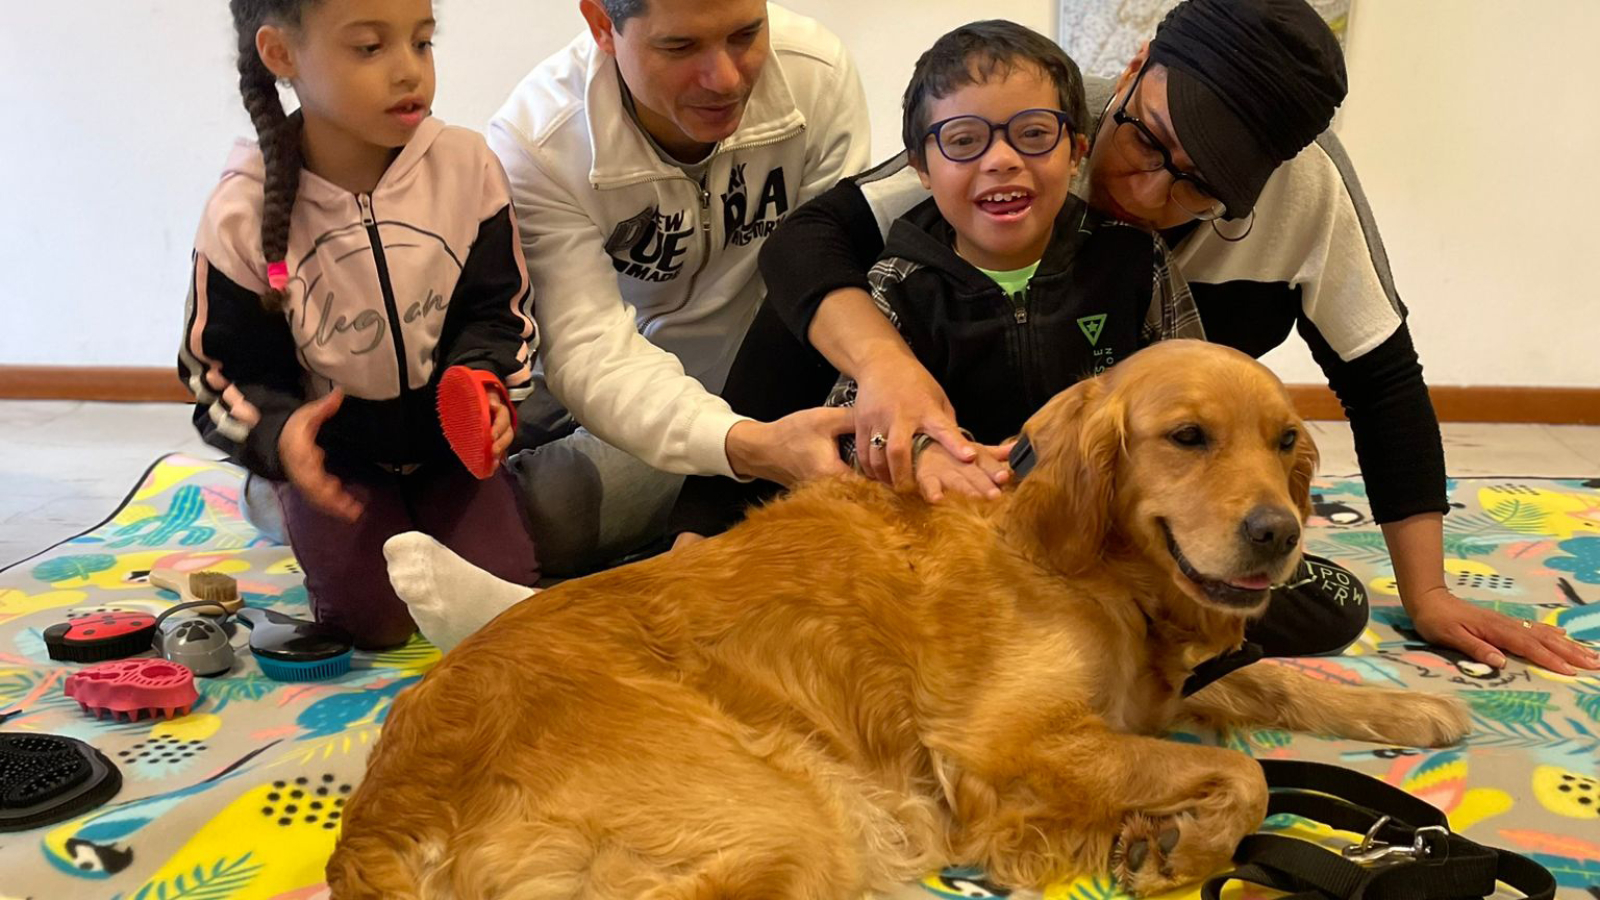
[(649, 159)]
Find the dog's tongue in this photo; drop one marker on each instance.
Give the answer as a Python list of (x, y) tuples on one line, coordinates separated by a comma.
[(1253, 583)]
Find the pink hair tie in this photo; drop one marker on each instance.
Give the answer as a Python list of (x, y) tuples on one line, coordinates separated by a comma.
[(278, 275)]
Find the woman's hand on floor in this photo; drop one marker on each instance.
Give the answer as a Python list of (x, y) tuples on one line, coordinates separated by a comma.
[(939, 473), (307, 466), (1485, 635)]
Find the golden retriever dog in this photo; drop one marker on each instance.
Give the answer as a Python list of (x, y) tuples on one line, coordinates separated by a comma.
[(854, 687)]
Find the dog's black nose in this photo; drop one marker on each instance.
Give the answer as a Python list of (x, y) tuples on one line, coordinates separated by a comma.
[(1272, 530)]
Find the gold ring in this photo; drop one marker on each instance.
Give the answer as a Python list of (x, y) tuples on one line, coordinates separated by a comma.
[(878, 441), (1526, 624)]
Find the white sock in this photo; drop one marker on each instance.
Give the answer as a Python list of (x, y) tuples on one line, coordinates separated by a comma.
[(449, 598)]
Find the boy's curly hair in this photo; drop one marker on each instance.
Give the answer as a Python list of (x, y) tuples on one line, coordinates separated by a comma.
[(278, 134), (975, 53)]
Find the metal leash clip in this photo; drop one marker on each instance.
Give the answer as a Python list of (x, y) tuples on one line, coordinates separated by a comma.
[(1428, 842)]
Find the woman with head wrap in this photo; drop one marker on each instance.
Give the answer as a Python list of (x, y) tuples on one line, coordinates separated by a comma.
[(1213, 136)]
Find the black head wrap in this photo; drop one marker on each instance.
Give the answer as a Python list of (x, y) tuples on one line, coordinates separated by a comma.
[(1250, 83)]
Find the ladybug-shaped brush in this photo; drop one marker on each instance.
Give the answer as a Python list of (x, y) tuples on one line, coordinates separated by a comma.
[(100, 636)]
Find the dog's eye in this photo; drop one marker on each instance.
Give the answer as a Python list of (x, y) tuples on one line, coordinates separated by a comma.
[(1287, 442), (1189, 436)]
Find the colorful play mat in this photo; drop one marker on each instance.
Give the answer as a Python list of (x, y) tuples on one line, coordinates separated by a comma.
[(242, 797)]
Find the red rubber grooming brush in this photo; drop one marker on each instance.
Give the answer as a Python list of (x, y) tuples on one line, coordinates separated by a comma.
[(467, 418), (133, 689), (100, 636)]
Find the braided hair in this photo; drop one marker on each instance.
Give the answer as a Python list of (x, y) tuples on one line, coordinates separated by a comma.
[(278, 134)]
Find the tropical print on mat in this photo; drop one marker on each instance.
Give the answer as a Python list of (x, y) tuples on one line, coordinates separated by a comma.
[(242, 797)]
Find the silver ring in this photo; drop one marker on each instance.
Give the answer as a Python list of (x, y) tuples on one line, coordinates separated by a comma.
[(878, 441)]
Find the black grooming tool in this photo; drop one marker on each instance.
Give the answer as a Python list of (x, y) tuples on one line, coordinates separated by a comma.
[(45, 778)]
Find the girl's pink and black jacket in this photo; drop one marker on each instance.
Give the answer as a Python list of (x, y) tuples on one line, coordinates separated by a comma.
[(386, 290)]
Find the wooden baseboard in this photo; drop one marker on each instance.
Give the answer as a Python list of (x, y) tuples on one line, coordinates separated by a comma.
[(1551, 406), (116, 384), (130, 384)]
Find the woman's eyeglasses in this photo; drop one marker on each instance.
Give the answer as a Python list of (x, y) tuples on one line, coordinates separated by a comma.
[(1140, 148)]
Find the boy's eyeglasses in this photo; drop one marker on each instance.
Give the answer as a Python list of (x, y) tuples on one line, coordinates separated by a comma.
[(1032, 132), (1142, 150)]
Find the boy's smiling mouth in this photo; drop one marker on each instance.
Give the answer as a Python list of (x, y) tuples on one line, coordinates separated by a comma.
[(1007, 202)]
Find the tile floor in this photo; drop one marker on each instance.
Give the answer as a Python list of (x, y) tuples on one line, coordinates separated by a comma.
[(65, 466)]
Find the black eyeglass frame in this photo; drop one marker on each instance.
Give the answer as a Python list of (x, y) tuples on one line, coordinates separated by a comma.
[(1065, 121), (1121, 117)]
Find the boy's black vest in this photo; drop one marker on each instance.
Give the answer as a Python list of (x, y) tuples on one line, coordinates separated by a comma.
[(998, 357)]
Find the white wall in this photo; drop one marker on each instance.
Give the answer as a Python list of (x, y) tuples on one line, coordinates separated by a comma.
[(117, 119), (1473, 126)]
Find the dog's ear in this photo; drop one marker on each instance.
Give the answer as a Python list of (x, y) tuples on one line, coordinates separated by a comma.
[(1306, 458), (1065, 504)]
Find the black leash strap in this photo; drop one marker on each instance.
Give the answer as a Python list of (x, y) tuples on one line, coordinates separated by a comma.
[(1408, 852), (1218, 666)]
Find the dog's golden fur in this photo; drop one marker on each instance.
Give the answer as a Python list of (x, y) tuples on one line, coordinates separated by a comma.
[(854, 687)]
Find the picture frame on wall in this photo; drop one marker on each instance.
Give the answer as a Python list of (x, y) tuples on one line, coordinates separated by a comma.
[(1102, 35)]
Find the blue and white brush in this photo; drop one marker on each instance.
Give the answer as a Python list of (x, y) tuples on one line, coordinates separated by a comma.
[(290, 649)]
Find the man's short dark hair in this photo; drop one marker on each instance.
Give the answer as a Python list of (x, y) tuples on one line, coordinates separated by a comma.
[(619, 11), (976, 53)]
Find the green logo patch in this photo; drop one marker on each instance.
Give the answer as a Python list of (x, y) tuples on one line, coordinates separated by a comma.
[(1091, 327)]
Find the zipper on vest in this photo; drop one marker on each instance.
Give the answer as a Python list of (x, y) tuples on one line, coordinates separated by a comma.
[(1019, 306), (705, 245), (364, 201), (705, 235), (1023, 345)]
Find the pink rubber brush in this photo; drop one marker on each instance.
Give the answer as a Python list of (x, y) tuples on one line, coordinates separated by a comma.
[(133, 689)]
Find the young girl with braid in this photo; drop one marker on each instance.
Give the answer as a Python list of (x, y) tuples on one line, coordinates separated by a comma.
[(358, 278)]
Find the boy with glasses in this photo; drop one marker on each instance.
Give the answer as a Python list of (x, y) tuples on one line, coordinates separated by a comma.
[(1006, 287)]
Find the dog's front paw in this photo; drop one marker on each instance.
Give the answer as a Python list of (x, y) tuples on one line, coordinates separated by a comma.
[(1415, 719), (1154, 854)]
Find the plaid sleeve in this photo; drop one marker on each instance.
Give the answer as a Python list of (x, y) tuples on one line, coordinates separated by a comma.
[(883, 280), (1172, 312)]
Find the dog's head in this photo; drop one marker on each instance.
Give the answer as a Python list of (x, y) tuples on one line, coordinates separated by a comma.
[(1188, 455)]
